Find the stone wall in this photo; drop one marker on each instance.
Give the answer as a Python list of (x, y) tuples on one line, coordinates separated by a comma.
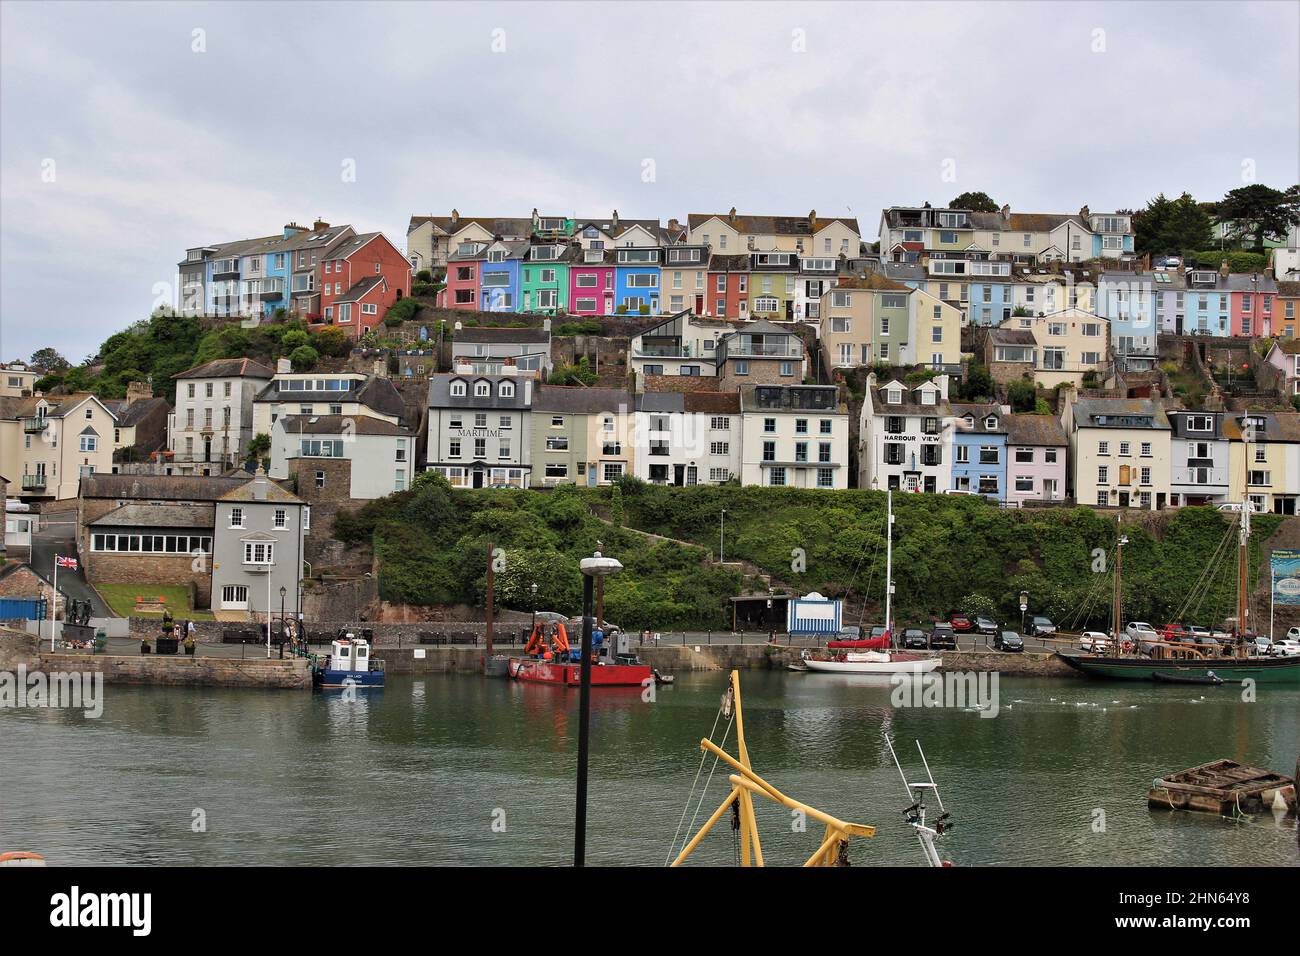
[(321, 480), (105, 567), (17, 648), (340, 600), (182, 670)]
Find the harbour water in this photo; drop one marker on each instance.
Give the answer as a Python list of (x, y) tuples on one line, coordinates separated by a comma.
[(464, 770)]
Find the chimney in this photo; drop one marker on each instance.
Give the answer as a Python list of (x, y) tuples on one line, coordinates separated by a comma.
[(942, 382), (731, 216), (674, 225), (259, 484), (1083, 213), (319, 224), (1223, 269), (455, 216), (135, 391), (536, 218), (283, 366), (1268, 271), (1006, 210), (812, 220), (613, 220), (292, 229)]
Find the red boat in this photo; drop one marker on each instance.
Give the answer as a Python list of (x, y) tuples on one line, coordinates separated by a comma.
[(570, 674), (550, 660)]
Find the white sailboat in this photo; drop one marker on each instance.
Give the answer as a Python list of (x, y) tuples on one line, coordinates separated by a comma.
[(848, 659)]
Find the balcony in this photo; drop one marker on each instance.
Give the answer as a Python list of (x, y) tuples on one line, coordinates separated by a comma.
[(763, 350), (271, 290), (663, 351), (34, 482), (33, 425)]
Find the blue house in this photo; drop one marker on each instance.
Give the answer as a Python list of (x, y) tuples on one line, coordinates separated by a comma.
[(979, 450), (499, 277), (1129, 301), (636, 279), (991, 301)]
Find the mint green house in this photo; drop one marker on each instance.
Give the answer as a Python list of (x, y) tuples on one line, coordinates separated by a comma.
[(544, 279)]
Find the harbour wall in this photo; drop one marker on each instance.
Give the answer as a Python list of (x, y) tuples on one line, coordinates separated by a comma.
[(716, 657), (184, 671), (17, 649)]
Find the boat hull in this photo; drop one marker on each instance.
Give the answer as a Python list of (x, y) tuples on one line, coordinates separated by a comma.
[(919, 666), (328, 679), (568, 674), (1262, 670)]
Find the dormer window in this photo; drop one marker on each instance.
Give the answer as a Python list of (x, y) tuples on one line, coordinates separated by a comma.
[(968, 421), (458, 389), (927, 396), (893, 396), (507, 390), (991, 422), (497, 255), (482, 389)]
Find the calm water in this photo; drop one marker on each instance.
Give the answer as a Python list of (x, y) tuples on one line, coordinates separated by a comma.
[(414, 774)]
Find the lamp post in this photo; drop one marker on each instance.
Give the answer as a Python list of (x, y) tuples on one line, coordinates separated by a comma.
[(594, 567), (722, 531), (283, 592), (1024, 606), (533, 588), (771, 624)]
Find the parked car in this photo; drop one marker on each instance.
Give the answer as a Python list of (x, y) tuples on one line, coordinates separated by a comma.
[(1038, 626), (877, 630), (1141, 630), (849, 632), (1263, 645), (986, 625), (915, 637), (1293, 634), (1194, 631), (1008, 641), (961, 623), (943, 636), (1287, 648), (1094, 641), (1176, 632), (1236, 506)]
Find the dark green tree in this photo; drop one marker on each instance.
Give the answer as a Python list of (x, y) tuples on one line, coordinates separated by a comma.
[(1258, 213), (974, 201)]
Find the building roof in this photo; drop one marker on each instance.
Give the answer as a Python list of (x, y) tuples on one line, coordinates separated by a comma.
[(981, 415), (158, 516), (496, 225), (1178, 422), (359, 289), (376, 393), (791, 398), (440, 391), (158, 487), (245, 491), (577, 399), (1026, 429), (1012, 337), (771, 225), (910, 400), (352, 244), (1120, 413), (227, 368), (340, 425), (869, 280), (492, 335), (711, 403), (131, 415)]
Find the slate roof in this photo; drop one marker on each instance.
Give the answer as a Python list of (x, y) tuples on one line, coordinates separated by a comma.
[(274, 493), (130, 415), (1086, 412), (376, 393), (712, 403), (771, 225), (494, 335), (1025, 429), (1012, 337), (576, 399), (359, 289), (159, 487), (910, 401), (1288, 290), (871, 280), (981, 414), (440, 391), (497, 225), (340, 425), (158, 516), (227, 368)]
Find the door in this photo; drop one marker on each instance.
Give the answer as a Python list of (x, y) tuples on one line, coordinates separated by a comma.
[(699, 305), (207, 449), (478, 478), (679, 475)]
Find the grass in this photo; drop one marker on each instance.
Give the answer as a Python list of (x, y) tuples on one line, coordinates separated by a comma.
[(121, 600)]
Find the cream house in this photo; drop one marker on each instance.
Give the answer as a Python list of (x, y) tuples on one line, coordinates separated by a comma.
[(17, 379), (48, 443), (869, 318), (730, 233), (1120, 452), (1067, 345)]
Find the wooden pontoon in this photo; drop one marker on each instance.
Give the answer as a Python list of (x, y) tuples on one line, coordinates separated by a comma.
[(1224, 787)]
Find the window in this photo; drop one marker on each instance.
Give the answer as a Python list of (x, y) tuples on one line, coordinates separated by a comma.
[(320, 479), (777, 476), (1146, 449), (89, 443), (281, 519), (1024, 484), (1103, 474), (720, 423), (236, 517), (801, 451), (988, 455), (259, 552), (769, 451), (1103, 448), (742, 367), (1125, 449)]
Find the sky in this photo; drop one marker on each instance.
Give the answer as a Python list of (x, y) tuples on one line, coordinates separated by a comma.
[(129, 132)]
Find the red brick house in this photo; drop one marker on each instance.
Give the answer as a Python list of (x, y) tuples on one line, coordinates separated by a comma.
[(363, 276), (727, 295)]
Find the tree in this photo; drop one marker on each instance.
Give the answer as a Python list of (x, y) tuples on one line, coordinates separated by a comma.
[(978, 385), (974, 201), (293, 339), (1259, 213), (50, 360), (259, 447), (331, 340), (1022, 395), (304, 357), (1171, 225)]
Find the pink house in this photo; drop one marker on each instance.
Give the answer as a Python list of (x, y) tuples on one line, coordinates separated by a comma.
[(591, 283), (462, 281), (1251, 298), (1036, 453)]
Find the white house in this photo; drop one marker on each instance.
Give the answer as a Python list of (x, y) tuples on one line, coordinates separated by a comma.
[(691, 438), (379, 452), (904, 436), (209, 430), (795, 435)]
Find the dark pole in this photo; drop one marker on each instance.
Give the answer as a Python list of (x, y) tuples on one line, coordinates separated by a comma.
[(282, 592), (584, 721), (490, 585)]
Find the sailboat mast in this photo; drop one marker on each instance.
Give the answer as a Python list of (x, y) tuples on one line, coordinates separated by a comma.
[(1243, 540), (1119, 566), (889, 562)]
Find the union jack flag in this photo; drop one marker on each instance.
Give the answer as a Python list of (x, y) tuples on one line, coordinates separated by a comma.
[(63, 562)]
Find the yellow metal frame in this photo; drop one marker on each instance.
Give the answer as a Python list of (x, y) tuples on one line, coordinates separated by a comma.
[(746, 784)]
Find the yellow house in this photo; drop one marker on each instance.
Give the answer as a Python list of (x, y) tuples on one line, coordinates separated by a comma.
[(730, 233), (1264, 459), (1120, 452), (869, 318), (1067, 345), (48, 443)]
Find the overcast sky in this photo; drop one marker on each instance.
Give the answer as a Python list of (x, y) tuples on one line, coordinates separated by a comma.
[(125, 136)]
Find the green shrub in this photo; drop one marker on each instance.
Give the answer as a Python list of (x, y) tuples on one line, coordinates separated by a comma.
[(304, 358)]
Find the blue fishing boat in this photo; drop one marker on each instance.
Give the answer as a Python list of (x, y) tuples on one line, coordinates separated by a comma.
[(348, 665)]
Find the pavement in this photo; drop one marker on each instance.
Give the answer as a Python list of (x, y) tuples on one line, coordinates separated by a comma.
[(58, 535)]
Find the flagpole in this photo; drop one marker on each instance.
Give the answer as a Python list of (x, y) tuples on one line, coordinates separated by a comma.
[(54, 602)]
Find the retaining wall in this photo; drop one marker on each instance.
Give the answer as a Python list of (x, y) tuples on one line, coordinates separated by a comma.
[(185, 671)]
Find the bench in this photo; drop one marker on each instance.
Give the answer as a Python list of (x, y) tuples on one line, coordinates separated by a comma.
[(428, 637), (464, 639)]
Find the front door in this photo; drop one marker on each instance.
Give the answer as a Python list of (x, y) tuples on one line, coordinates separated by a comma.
[(478, 478), (679, 475), (699, 305), (1123, 499)]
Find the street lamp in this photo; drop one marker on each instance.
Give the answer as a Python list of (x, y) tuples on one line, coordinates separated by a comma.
[(722, 530), (533, 588), (596, 566), (1024, 606), (283, 592)]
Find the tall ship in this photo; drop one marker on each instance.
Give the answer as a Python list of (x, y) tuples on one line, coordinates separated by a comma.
[(1185, 662)]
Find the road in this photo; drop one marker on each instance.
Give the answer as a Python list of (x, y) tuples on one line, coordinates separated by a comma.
[(58, 535)]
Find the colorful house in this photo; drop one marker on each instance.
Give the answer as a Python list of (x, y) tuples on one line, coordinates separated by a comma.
[(544, 278), (591, 281), (501, 275), (1036, 453), (728, 287), (772, 277), (464, 276), (979, 450), (636, 280), (363, 276)]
